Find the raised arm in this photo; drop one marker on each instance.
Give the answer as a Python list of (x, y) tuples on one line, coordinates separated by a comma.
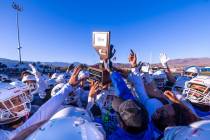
[(164, 61), (135, 78), (42, 85)]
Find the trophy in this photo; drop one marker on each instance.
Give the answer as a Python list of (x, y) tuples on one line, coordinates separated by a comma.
[(101, 43)]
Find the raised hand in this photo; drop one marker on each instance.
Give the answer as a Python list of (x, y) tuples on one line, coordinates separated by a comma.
[(34, 70), (171, 96), (94, 89), (74, 77), (164, 59), (132, 59)]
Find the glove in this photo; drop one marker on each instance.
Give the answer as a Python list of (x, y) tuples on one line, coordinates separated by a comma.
[(164, 59), (34, 70), (112, 51)]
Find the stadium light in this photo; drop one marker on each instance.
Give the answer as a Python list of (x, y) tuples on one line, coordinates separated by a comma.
[(18, 9)]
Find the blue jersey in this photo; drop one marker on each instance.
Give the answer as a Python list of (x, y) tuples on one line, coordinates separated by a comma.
[(121, 134), (201, 113)]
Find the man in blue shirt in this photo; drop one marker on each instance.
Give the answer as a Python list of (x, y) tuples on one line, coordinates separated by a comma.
[(133, 121)]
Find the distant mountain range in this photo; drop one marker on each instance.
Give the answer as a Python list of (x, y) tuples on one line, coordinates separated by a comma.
[(179, 63), (175, 63), (11, 63)]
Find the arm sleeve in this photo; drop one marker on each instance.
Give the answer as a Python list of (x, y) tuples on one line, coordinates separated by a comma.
[(91, 101), (139, 87), (42, 86), (5, 135), (151, 105), (121, 89), (46, 110)]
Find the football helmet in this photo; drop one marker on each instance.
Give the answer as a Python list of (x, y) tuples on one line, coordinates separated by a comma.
[(31, 82), (56, 89), (197, 90), (3, 77), (196, 131), (54, 76), (73, 98), (191, 71), (75, 123), (61, 79), (14, 103), (160, 78), (24, 87), (179, 85)]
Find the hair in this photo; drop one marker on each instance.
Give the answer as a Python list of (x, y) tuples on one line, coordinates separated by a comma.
[(23, 73), (136, 130), (162, 122), (184, 116)]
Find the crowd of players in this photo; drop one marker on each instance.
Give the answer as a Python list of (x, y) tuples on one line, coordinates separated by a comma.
[(135, 104)]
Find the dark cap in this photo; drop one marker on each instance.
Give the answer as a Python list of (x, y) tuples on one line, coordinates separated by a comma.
[(132, 115)]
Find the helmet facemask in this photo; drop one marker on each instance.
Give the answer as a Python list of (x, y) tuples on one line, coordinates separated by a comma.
[(190, 74), (160, 82), (197, 93), (14, 108)]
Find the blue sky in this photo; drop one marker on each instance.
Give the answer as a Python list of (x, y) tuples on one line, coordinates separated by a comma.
[(61, 30)]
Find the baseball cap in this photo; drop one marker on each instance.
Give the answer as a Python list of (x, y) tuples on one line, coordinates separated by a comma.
[(132, 114)]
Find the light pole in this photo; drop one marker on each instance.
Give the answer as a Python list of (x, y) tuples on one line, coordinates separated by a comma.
[(18, 9)]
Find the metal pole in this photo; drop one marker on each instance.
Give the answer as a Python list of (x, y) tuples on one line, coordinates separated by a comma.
[(18, 8), (18, 37)]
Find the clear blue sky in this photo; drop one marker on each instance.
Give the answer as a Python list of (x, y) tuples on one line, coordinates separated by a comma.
[(61, 30)]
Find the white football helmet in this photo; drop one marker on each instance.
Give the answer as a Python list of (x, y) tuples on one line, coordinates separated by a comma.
[(160, 78), (14, 103), (54, 76), (73, 123), (56, 89), (3, 77), (197, 90), (191, 71), (179, 85), (31, 82), (104, 99), (196, 131), (61, 79), (73, 98), (24, 87)]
